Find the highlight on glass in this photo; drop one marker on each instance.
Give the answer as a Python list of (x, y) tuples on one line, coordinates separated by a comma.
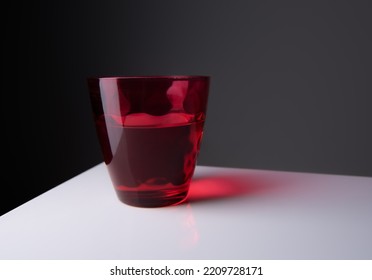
[(150, 130)]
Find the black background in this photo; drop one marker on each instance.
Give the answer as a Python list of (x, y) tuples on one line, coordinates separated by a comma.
[(291, 82)]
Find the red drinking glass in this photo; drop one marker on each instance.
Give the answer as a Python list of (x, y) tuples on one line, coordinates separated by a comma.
[(150, 129)]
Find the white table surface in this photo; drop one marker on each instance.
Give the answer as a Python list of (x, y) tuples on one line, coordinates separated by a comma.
[(230, 214)]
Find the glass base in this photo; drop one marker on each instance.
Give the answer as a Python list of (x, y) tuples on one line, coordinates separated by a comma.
[(153, 198)]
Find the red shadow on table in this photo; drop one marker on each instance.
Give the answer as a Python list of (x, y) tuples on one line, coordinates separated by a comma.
[(235, 184)]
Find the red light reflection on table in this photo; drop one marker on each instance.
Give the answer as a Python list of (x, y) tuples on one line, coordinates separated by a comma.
[(228, 186), (189, 224)]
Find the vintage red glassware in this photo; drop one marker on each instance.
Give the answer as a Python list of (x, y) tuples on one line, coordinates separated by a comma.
[(150, 129)]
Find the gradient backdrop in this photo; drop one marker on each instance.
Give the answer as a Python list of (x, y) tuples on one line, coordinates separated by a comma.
[(291, 82)]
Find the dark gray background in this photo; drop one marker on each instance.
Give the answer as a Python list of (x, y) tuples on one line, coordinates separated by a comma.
[(291, 82)]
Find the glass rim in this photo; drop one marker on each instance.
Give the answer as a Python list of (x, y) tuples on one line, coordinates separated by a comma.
[(152, 77)]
